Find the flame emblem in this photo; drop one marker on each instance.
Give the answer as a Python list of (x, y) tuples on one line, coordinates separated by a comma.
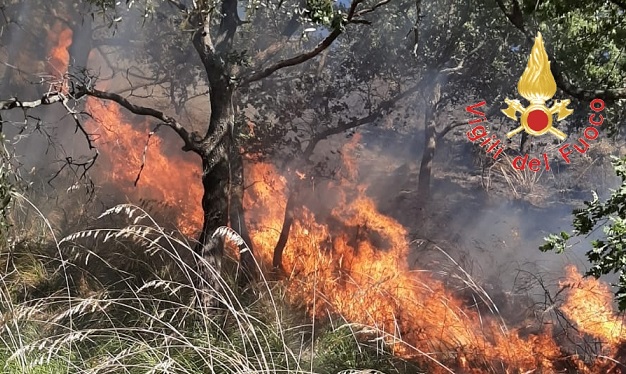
[(537, 85)]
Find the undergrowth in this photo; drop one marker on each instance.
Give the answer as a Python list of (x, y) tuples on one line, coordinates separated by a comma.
[(120, 298)]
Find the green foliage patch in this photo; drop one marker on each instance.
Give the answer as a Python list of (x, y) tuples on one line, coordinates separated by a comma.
[(608, 254)]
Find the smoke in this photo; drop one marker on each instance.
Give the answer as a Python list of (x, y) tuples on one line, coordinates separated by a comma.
[(361, 244), (495, 236), (498, 237)]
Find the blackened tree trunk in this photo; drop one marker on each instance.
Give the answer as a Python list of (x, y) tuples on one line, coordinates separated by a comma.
[(215, 150), (292, 203)]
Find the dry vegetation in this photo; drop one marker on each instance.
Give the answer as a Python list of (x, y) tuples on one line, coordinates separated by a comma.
[(119, 298)]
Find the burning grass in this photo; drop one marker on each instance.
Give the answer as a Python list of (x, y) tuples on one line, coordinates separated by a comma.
[(77, 307), (347, 260), (120, 299), (357, 267)]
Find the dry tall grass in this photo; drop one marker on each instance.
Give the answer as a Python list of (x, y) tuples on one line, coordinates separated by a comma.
[(120, 299)]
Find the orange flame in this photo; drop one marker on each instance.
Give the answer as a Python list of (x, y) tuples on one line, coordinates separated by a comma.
[(589, 306), (359, 270), (172, 180), (59, 40), (355, 266), (167, 179)]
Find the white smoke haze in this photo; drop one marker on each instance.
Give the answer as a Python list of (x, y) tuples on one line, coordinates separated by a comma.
[(499, 235), (494, 233)]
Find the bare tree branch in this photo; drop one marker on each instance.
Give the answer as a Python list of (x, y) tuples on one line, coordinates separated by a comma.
[(373, 8), (415, 28), (461, 63), (296, 60), (113, 42), (47, 99), (376, 113), (493, 110), (145, 152), (190, 139), (79, 126), (515, 16), (449, 127), (608, 95), (177, 4), (78, 167)]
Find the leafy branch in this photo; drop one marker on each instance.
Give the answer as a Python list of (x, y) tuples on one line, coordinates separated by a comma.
[(516, 18), (607, 255)]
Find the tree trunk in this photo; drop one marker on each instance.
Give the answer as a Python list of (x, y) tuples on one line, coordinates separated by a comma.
[(248, 269), (82, 44), (14, 39), (215, 151), (524, 143), (430, 145), (428, 155), (292, 201), (215, 180)]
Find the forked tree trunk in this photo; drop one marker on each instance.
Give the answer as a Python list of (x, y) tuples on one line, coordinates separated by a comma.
[(215, 150)]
